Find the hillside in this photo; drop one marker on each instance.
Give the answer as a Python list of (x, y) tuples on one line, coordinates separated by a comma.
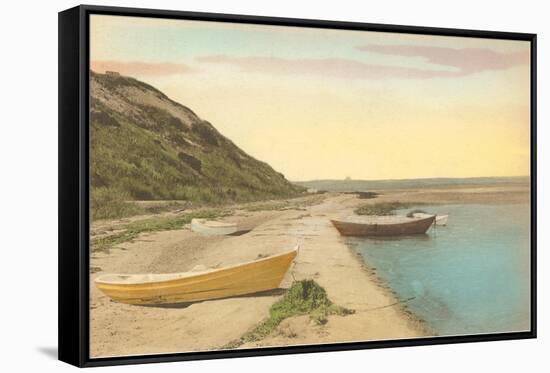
[(144, 146)]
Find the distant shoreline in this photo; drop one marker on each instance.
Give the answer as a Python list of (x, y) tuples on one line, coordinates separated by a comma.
[(404, 184)]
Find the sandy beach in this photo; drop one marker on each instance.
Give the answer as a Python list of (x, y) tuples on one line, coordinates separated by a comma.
[(120, 329)]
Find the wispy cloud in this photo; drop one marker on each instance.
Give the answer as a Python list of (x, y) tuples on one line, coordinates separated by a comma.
[(466, 61), (327, 67), (141, 68), (462, 62)]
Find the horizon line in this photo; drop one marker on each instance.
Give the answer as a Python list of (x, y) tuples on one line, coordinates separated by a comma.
[(419, 178)]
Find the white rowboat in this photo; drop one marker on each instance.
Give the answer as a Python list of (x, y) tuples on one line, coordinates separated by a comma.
[(212, 228)]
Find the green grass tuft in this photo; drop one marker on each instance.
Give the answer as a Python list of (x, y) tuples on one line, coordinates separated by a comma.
[(381, 208), (157, 224), (265, 206), (365, 195), (304, 297)]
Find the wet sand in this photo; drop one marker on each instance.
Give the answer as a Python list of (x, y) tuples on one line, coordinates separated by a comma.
[(120, 329)]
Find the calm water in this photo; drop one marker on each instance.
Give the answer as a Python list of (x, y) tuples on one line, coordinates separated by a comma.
[(469, 277)]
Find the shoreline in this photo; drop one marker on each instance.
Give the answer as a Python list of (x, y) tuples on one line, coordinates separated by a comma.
[(335, 266), (124, 330), (401, 305)]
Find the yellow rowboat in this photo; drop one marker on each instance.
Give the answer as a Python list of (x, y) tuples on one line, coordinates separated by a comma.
[(212, 228), (246, 278)]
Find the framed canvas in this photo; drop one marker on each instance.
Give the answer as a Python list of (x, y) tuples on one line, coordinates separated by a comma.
[(235, 186)]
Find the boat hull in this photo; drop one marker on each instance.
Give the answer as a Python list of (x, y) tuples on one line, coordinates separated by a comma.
[(418, 226), (252, 277)]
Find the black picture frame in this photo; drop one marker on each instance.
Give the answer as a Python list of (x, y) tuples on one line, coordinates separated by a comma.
[(74, 184)]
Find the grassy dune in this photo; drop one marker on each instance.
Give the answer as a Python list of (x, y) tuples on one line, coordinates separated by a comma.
[(145, 146)]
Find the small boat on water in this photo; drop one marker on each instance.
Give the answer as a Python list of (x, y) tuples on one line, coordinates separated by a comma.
[(383, 225), (245, 278), (212, 228), (439, 219)]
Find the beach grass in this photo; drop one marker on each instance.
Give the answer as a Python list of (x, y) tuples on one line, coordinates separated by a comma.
[(298, 203), (109, 203), (157, 207), (304, 297), (155, 224), (265, 206), (364, 195), (115, 204), (381, 208)]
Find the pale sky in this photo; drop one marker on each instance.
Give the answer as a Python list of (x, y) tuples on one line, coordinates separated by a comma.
[(328, 104)]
